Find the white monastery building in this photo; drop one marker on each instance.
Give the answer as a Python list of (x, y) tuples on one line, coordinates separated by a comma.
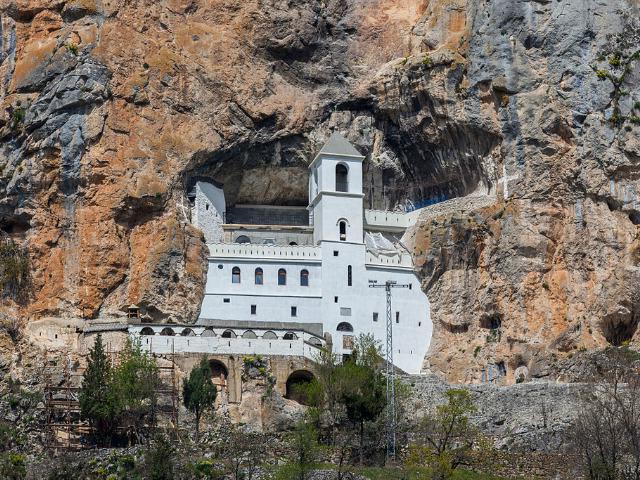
[(285, 280)]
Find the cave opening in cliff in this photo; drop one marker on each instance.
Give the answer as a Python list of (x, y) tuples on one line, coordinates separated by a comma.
[(618, 330), (254, 173), (491, 322), (297, 386), (412, 169)]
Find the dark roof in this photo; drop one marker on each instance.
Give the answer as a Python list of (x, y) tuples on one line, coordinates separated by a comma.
[(338, 145)]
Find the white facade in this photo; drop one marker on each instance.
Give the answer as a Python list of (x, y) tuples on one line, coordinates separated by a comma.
[(208, 211), (327, 282)]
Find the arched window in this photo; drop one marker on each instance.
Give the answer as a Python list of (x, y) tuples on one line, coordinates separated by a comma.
[(167, 331), (235, 275), (270, 335), (147, 331), (282, 277), (249, 334), (259, 276), (344, 327), (243, 239), (187, 332), (343, 230), (349, 276), (228, 334), (293, 244), (304, 278), (342, 178), (290, 336)]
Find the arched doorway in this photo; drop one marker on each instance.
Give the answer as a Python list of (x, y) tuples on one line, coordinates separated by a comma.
[(296, 384), (219, 376)]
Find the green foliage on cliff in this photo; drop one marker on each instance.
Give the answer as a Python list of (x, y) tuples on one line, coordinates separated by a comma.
[(617, 61)]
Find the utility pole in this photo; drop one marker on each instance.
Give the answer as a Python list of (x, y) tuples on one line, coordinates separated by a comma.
[(390, 370)]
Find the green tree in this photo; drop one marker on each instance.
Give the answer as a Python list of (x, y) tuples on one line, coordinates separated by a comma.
[(96, 396), (198, 392), (364, 387), (304, 445), (134, 386), (449, 440), (243, 452)]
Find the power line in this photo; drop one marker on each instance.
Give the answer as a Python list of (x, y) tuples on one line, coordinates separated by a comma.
[(390, 369)]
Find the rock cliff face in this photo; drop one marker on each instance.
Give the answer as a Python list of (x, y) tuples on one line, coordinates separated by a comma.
[(111, 108)]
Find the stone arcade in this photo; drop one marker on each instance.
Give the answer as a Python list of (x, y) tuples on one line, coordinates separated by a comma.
[(283, 281)]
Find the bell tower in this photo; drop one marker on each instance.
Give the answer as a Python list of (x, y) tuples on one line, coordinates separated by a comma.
[(335, 192)]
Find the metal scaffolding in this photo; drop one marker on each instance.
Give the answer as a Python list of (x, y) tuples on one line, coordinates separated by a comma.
[(390, 368)]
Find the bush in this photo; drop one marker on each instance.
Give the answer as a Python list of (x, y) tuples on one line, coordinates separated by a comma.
[(8, 436), (205, 469), (13, 466), (159, 459)]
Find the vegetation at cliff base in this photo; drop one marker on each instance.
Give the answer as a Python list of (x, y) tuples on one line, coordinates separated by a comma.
[(198, 392), (119, 400)]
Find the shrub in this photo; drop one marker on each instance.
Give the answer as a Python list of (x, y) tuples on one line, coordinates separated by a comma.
[(72, 47), (13, 466), (205, 469), (159, 459)]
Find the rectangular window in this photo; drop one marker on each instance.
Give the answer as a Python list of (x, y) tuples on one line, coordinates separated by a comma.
[(419, 324), (253, 309), (345, 312), (397, 317), (226, 300), (335, 299), (294, 311), (375, 316), (335, 253)]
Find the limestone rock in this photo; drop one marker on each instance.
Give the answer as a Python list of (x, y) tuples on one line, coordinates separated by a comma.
[(110, 109)]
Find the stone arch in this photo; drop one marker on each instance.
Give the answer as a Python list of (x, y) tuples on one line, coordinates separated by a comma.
[(208, 332), (187, 332), (219, 374), (521, 374), (315, 341), (228, 334), (270, 335), (249, 334), (295, 382), (167, 332), (290, 336), (243, 239), (147, 331)]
